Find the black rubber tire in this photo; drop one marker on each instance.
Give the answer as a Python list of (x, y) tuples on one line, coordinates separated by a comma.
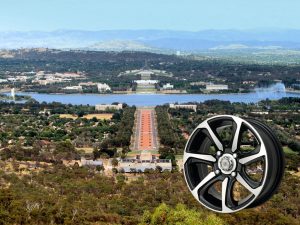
[(275, 158)]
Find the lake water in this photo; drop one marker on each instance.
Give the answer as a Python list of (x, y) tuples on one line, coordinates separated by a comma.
[(155, 99)]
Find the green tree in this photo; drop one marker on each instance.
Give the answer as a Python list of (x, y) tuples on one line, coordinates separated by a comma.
[(164, 215)]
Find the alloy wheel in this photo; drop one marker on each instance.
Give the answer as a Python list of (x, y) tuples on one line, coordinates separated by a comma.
[(232, 163)]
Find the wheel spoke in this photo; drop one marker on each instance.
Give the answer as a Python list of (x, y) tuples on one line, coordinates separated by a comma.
[(208, 178), (202, 157), (226, 193), (243, 182), (235, 141), (251, 158), (212, 136)]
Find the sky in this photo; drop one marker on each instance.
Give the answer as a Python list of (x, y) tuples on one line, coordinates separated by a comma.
[(190, 15)]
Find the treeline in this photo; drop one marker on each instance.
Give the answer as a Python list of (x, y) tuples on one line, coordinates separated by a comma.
[(33, 107), (170, 136), (121, 137), (125, 127)]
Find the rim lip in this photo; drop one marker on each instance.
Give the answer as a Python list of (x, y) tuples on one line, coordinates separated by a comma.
[(234, 118)]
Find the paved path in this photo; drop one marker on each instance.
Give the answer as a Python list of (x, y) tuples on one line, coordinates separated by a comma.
[(145, 132)]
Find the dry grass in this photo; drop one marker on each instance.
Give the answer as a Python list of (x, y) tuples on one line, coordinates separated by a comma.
[(297, 174), (86, 150), (68, 116), (103, 116)]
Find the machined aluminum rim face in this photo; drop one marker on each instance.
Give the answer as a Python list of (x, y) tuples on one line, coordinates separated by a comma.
[(226, 166)]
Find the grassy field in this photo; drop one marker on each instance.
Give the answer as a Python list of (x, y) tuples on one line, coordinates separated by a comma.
[(287, 150), (178, 157), (103, 116)]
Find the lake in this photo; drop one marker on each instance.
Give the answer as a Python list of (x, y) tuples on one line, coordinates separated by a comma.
[(155, 99)]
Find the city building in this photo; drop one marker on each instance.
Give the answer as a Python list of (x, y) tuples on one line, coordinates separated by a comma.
[(216, 87), (191, 107), (86, 162), (3, 80), (146, 73), (168, 86), (83, 162), (73, 88), (102, 87), (145, 82), (198, 83), (144, 161), (87, 84), (43, 78), (104, 107)]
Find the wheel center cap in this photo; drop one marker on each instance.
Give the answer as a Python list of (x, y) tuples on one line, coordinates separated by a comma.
[(227, 163)]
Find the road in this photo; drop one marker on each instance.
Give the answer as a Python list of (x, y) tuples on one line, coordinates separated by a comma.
[(146, 131)]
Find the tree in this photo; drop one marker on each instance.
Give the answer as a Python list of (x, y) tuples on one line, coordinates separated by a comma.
[(164, 215), (114, 162)]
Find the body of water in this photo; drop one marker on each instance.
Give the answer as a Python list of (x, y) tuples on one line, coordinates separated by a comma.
[(155, 99)]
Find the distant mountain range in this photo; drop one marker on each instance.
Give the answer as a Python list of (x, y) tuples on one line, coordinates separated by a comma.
[(152, 40)]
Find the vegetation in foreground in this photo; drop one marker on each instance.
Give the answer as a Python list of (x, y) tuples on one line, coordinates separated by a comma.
[(55, 194), (81, 196)]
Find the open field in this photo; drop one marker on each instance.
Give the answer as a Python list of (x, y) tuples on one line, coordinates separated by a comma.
[(68, 116), (99, 116), (103, 116), (86, 150)]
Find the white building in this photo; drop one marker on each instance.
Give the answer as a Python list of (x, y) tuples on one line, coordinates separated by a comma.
[(3, 80), (145, 72), (191, 107), (133, 165), (168, 86), (21, 78), (144, 161), (102, 87), (146, 82), (104, 107), (13, 93), (12, 79), (216, 87), (73, 88), (86, 162), (198, 83)]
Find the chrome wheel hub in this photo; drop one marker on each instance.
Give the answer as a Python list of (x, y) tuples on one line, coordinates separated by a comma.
[(227, 163)]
